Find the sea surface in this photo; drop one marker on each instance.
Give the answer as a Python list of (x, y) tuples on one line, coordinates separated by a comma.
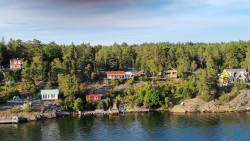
[(157, 126)]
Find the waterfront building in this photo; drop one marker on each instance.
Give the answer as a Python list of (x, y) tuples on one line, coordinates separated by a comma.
[(50, 94), (94, 97)]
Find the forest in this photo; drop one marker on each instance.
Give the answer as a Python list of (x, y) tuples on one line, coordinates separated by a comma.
[(70, 66)]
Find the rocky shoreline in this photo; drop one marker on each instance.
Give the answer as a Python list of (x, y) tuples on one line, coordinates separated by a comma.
[(241, 103), (7, 117)]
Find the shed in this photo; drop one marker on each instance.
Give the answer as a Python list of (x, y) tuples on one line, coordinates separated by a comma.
[(50, 94)]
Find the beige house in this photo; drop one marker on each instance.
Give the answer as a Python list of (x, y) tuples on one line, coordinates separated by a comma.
[(168, 72), (16, 63)]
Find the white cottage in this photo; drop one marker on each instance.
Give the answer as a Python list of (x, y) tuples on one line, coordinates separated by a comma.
[(50, 94)]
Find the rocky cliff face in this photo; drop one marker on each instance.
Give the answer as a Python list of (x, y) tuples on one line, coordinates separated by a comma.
[(240, 103)]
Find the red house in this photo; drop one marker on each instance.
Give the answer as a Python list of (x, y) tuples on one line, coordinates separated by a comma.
[(93, 97)]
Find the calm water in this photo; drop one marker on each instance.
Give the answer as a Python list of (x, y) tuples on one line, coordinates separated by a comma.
[(138, 127)]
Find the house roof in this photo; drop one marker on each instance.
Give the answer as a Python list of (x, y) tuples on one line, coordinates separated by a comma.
[(13, 59), (168, 68), (235, 72), (94, 95), (116, 72), (50, 91)]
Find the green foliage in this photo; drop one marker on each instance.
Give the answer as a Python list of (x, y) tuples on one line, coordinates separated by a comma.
[(15, 110), (114, 82), (107, 103), (48, 85), (27, 108), (78, 104), (166, 101), (227, 97), (100, 105), (130, 82), (33, 89), (75, 63), (90, 105), (68, 84), (13, 93), (206, 97), (238, 85)]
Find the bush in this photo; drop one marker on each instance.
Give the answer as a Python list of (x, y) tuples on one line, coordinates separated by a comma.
[(78, 104), (205, 97), (225, 97), (90, 105), (100, 105), (27, 108), (15, 110), (230, 96), (33, 89), (166, 102), (11, 94), (107, 103), (42, 108), (130, 82), (143, 78), (114, 82)]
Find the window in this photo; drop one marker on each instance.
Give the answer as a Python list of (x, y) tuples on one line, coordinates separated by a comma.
[(96, 97), (53, 96), (19, 62), (44, 96), (15, 62)]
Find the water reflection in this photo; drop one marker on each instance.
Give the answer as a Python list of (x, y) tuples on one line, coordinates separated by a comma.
[(137, 126)]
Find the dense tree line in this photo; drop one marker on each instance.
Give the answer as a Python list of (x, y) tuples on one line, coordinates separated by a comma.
[(81, 63)]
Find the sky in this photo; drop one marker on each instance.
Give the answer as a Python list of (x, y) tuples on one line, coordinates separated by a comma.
[(133, 21)]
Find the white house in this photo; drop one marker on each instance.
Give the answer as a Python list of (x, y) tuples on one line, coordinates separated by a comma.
[(119, 75), (50, 94)]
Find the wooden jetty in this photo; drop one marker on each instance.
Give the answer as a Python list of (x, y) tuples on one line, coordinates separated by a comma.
[(13, 119)]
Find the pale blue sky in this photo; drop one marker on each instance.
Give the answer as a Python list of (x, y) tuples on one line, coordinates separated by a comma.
[(132, 21)]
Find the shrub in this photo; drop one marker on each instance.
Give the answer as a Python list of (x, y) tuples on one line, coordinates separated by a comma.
[(166, 102), (100, 105), (107, 103), (11, 94), (130, 82), (225, 97), (15, 110), (114, 82), (33, 89), (78, 104), (42, 108), (205, 97), (27, 108)]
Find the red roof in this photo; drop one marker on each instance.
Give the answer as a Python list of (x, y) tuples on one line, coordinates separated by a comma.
[(116, 72)]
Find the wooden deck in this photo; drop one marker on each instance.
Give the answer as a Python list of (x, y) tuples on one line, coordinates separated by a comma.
[(13, 119)]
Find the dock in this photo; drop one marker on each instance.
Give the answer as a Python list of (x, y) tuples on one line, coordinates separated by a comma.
[(7, 120)]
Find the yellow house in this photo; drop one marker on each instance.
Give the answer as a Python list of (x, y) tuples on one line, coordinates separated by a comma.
[(168, 72), (229, 75)]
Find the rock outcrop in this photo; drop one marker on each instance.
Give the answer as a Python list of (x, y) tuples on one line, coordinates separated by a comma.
[(239, 103)]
